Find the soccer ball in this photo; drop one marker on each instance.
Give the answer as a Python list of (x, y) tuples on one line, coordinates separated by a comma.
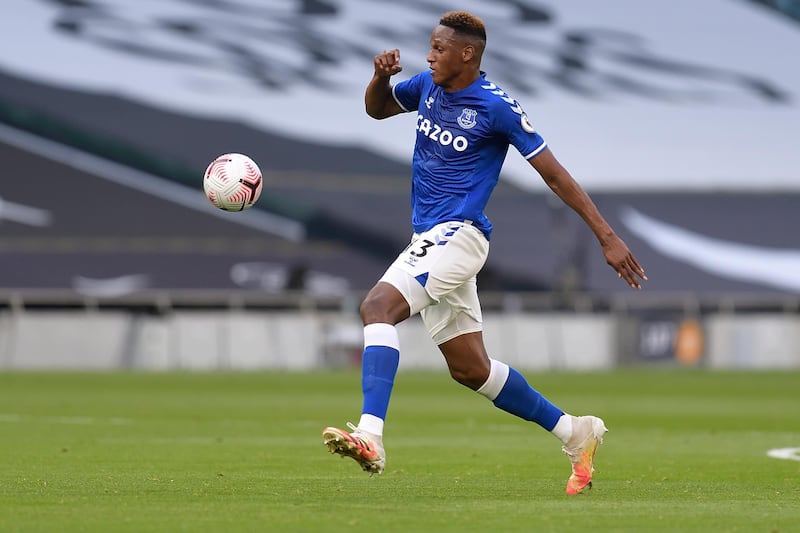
[(233, 182)]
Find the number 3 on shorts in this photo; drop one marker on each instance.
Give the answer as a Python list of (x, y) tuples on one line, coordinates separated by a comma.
[(420, 247)]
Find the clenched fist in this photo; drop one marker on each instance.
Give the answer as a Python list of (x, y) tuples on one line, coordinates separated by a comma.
[(387, 64)]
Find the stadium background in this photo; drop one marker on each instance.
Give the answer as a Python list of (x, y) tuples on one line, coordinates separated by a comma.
[(106, 243)]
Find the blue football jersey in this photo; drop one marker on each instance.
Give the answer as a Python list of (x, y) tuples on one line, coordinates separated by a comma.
[(462, 141)]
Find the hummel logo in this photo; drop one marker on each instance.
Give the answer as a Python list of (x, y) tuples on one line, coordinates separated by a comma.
[(429, 101)]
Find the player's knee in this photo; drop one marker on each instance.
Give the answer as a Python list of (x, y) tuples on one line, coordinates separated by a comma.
[(472, 377), (383, 304), (369, 308), (375, 309)]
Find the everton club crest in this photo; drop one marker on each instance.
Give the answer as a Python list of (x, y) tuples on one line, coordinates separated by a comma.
[(467, 118)]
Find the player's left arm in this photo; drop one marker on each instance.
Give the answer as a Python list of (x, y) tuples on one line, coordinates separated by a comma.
[(561, 182)]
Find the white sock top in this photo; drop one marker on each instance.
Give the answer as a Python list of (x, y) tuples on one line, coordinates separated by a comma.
[(371, 424), (381, 335), (563, 428), (498, 375)]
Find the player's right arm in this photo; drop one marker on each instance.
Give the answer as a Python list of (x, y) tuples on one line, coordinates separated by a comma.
[(378, 97)]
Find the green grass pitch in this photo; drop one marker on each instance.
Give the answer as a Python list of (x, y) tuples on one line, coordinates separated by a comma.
[(686, 451)]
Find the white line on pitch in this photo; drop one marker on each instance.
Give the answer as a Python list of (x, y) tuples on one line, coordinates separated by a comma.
[(785, 453)]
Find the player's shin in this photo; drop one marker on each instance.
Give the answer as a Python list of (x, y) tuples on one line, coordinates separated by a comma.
[(378, 369), (509, 391)]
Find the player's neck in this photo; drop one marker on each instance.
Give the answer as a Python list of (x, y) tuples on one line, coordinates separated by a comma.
[(462, 82)]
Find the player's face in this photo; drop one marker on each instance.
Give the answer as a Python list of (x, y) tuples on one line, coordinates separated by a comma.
[(446, 58)]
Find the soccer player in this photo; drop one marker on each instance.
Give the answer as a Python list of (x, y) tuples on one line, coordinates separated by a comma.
[(465, 124)]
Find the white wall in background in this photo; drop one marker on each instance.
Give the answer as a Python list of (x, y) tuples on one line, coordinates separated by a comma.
[(298, 341), (754, 341)]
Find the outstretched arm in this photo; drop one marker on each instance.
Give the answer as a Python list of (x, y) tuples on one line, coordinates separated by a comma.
[(378, 97), (616, 252)]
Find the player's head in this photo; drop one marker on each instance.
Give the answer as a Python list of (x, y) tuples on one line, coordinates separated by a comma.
[(457, 45)]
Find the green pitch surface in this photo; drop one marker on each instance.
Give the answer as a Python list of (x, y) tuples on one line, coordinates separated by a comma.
[(686, 451)]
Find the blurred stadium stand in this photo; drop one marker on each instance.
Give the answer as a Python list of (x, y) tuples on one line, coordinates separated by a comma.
[(790, 8)]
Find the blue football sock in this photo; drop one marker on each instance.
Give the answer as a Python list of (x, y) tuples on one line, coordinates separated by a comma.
[(522, 400), (378, 368)]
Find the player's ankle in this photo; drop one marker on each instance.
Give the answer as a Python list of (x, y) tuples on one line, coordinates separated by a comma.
[(371, 424), (563, 428)]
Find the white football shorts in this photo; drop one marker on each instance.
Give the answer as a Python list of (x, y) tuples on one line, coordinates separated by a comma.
[(436, 274)]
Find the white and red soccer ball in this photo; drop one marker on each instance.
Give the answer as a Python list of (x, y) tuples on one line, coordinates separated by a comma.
[(233, 182)]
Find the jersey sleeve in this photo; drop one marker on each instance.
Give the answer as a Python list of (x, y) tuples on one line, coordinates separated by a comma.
[(514, 123), (407, 93)]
